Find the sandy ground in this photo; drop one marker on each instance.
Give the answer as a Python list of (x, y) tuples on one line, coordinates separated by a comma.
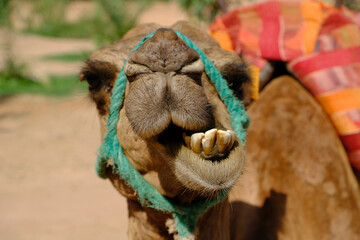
[(31, 50), (48, 186)]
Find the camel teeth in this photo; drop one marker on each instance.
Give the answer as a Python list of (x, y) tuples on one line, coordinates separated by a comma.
[(208, 141), (187, 140), (233, 138), (195, 143), (223, 140)]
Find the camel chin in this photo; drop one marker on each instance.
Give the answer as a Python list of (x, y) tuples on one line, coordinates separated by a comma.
[(208, 176)]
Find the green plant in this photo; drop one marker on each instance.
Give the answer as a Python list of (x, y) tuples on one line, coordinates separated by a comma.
[(13, 75), (12, 69), (115, 17), (352, 4), (63, 29), (47, 18), (4, 11), (65, 85), (69, 57), (49, 11), (57, 85), (205, 10), (110, 21), (15, 80)]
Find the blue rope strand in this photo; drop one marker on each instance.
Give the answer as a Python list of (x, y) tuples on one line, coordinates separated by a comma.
[(185, 216)]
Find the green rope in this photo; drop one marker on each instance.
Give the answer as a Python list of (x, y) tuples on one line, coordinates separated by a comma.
[(185, 216), (239, 118)]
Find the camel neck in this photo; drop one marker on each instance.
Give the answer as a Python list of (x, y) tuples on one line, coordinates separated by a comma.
[(148, 223)]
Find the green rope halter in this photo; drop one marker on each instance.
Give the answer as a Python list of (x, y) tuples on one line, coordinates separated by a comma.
[(185, 216)]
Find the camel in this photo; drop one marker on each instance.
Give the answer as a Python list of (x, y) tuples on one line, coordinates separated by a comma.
[(177, 133)]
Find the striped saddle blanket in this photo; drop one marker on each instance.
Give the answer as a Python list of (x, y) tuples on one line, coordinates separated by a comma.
[(320, 45)]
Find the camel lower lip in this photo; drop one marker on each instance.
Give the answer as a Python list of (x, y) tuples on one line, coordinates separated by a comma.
[(199, 174)]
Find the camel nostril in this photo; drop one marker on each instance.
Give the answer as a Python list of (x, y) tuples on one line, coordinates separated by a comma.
[(132, 69), (167, 97)]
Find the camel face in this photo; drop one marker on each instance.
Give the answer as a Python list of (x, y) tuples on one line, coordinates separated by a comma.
[(173, 126)]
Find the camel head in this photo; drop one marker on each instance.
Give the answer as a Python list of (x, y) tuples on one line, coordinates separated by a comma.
[(173, 127)]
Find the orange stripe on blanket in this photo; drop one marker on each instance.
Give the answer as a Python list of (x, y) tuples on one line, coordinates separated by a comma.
[(255, 78), (313, 16), (340, 101), (223, 38)]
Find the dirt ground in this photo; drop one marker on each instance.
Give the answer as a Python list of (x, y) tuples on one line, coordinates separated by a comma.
[(48, 186)]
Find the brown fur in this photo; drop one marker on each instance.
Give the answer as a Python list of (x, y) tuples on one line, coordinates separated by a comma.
[(298, 183), (293, 156)]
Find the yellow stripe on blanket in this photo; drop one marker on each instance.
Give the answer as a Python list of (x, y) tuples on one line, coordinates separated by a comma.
[(340, 101), (255, 78), (344, 124)]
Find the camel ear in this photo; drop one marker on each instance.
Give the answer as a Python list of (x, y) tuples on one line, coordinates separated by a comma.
[(99, 75), (239, 78)]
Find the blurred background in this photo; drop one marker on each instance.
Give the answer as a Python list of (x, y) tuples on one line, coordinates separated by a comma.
[(49, 131)]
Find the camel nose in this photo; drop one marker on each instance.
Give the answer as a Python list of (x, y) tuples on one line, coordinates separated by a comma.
[(165, 33), (164, 52)]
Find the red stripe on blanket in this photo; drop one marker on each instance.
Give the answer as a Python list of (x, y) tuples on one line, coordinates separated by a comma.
[(334, 21), (354, 158), (351, 142), (312, 63), (269, 38)]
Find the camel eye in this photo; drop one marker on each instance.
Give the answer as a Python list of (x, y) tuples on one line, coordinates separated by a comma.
[(98, 74), (93, 80)]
